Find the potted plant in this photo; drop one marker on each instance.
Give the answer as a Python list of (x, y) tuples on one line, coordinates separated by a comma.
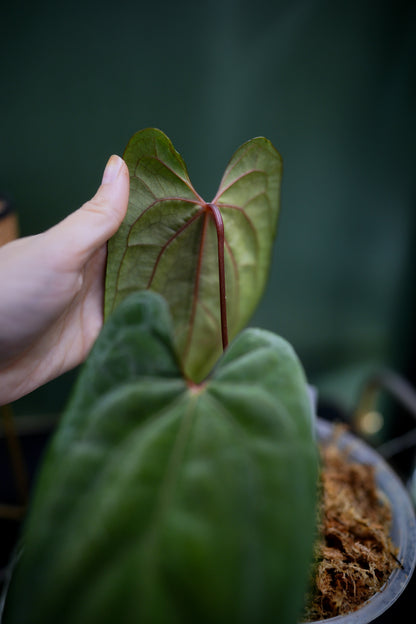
[(181, 484)]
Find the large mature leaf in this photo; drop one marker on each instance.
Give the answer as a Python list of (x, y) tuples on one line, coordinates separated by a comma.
[(163, 502), (169, 242)]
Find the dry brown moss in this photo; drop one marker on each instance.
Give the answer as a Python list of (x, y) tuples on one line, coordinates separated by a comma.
[(355, 555)]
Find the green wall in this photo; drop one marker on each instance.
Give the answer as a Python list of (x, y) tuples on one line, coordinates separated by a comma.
[(332, 84)]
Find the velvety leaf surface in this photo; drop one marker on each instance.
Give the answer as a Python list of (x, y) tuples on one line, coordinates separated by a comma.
[(163, 502), (168, 242)]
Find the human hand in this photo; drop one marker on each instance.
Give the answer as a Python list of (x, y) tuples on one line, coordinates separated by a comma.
[(52, 289)]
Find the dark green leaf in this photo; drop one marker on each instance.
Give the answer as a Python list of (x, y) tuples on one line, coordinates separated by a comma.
[(165, 502), (168, 242)]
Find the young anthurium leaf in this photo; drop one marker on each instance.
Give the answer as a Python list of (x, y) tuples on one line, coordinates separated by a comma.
[(163, 502), (209, 260)]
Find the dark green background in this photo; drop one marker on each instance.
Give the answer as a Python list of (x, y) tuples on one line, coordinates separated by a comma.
[(332, 84)]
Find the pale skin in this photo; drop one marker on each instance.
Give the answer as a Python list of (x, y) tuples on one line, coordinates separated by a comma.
[(52, 289)]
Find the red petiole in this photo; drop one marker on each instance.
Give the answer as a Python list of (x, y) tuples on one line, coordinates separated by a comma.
[(219, 226)]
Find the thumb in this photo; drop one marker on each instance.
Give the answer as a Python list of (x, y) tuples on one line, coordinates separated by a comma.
[(89, 227)]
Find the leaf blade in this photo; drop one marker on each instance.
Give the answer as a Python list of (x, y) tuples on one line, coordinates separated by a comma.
[(164, 503), (249, 198), (150, 189), (168, 242)]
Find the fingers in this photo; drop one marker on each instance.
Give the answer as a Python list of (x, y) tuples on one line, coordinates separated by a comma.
[(85, 230)]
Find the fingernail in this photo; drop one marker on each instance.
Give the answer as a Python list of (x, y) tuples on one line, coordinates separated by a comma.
[(112, 169)]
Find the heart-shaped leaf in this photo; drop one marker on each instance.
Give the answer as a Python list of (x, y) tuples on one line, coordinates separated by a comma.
[(209, 260), (162, 502)]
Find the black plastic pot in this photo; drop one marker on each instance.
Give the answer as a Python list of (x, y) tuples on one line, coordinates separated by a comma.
[(403, 530)]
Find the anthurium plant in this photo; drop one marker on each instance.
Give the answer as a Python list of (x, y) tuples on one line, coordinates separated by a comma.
[(180, 485)]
